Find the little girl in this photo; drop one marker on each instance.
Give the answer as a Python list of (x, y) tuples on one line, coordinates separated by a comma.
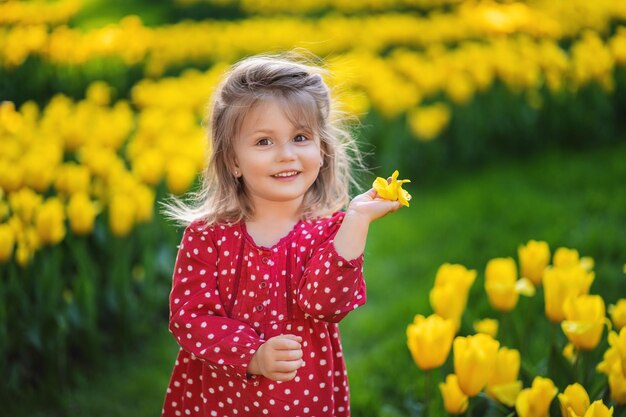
[(268, 265)]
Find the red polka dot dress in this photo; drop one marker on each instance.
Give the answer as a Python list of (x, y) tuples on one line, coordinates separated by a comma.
[(230, 295)]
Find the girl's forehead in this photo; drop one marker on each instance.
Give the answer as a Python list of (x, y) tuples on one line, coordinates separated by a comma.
[(298, 110)]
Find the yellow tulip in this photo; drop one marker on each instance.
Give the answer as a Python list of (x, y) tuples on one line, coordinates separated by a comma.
[(429, 340), (565, 258), (393, 190), (460, 88), (504, 375), (574, 399), (507, 393), (81, 212), (50, 222), (100, 161), (7, 242), (618, 341), (99, 93), (487, 326), (121, 215), (457, 275), (535, 401), (144, 203), (454, 400), (149, 166), (427, 122), (587, 263), (73, 178), (448, 297), (597, 409), (615, 356), (180, 174), (23, 254), (38, 171), (474, 361), (584, 320), (534, 257), (618, 313), (24, 204), (500, 279), (570, 353), (614, 366), (617, 385), (562, 282), (11, 176), (448, 303)]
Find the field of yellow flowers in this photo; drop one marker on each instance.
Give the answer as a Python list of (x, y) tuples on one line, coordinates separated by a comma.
[(100, 123), (488, 365)]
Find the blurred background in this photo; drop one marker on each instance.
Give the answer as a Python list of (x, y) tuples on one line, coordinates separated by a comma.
[(509, 117)]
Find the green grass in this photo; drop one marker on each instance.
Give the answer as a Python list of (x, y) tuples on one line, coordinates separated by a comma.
[(568, 199)]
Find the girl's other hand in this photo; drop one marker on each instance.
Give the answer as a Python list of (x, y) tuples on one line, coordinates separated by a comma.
[(278, 359)]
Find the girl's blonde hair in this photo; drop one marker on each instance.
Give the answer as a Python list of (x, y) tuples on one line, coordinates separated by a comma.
[(306, 99)]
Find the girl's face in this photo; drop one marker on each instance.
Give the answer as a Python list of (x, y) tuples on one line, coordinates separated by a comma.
[(278, 161)]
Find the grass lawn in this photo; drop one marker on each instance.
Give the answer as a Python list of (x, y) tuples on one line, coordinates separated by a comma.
[(568, 199)]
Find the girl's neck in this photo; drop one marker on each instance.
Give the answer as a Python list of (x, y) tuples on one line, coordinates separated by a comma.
[(272, 222), (276, 213)]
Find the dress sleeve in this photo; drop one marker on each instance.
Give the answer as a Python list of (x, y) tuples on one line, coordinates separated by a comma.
[(331, 286), (197, 316)]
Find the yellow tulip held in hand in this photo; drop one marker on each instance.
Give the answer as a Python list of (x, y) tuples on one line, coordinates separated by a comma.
[(392, 190)]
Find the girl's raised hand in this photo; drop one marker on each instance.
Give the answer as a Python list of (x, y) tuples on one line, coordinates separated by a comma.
[(371, 206), (278, 359)]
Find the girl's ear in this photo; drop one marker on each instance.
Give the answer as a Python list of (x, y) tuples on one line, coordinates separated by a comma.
[(235, 169)]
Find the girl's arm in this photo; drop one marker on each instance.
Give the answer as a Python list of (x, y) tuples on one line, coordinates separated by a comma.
[(197, 316), (332, 284), (363, 209)]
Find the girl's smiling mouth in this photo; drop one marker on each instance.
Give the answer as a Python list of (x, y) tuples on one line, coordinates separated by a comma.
[(286, 174)]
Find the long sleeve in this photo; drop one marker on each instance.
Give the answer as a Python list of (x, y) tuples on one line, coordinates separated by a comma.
[(331, 286), (197, 316)]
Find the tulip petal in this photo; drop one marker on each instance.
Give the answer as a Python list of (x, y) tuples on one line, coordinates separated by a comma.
[(507, 393), (525, 287)]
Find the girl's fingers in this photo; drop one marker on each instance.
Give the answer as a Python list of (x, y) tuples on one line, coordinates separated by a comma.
[(371, 193), (288, 355), (286, 342), (287, 366), (283, 377), (292, 337)]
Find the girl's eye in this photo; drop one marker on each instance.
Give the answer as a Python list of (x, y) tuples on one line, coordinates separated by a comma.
[(300, 138), (264, 142)]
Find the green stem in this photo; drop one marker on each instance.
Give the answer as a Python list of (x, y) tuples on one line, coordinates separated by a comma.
[(428, 400), (580, 368), (470, 407), (552, 337)]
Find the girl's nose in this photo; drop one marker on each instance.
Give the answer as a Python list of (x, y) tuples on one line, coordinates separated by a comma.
[(286, 151)]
